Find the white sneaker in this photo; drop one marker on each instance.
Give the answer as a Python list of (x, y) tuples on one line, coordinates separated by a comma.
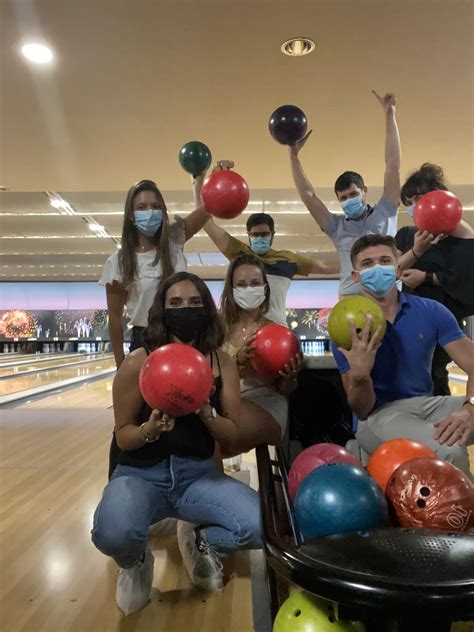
[(134, 584), (202, 564)]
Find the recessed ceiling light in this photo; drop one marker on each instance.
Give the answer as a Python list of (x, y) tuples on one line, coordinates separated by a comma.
[(298, 46), (37, 53)]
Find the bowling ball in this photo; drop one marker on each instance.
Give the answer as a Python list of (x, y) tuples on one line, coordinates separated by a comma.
[(195, 157), (304, 612), (354, 308), (336, 498), (288, 124), (225, 194), (176, 379), (438, 212), (312, 458), (433, 494), (275, 345), (391, 454)]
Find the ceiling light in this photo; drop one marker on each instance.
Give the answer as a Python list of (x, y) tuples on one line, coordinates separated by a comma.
[(37, 53), (56, 203), (298, 46)]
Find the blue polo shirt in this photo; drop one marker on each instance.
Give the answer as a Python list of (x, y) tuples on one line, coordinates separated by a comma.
[(402, 365)]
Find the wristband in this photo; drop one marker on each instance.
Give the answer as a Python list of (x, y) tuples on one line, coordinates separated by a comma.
[(429, 278)]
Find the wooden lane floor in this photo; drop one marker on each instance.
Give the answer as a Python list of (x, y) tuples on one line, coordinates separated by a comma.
[(38, 358), (51, 363), (53, 467), (44, 378)]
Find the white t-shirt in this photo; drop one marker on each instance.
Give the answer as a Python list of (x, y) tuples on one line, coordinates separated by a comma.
[(140, 296), (343, 232)]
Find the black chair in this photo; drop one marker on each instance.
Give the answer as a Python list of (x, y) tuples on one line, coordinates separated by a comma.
[(395, 580)]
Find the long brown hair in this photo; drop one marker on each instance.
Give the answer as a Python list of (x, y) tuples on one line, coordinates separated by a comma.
[(157, 334), (128, 255), (229, 308)]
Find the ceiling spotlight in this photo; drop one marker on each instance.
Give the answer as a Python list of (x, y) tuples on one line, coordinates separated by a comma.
[(37, 53), (298, 46)]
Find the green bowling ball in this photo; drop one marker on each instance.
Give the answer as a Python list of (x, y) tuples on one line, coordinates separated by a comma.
[(354, 308), (195, 157), (304, 612)]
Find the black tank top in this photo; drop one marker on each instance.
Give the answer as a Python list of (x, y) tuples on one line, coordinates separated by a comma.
[(189, 437)]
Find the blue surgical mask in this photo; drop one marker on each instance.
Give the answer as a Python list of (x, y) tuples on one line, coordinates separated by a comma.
[(260, 245), (353, 207), (378, 280), (148, 222), (410, 209)]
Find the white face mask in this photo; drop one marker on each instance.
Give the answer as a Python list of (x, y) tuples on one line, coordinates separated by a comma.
[(249, 297)]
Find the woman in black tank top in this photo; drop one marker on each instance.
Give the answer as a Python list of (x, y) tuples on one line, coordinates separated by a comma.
[(166, 467)]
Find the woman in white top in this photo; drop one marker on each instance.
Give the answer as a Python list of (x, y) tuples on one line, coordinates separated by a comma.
[(152, 249)]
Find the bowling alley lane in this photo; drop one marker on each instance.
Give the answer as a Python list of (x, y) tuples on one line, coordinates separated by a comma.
[(39, 364), (34, 380)]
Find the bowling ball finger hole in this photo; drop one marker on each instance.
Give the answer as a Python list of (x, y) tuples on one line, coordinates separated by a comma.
[(297, 613), (421, 503), (425, 491)]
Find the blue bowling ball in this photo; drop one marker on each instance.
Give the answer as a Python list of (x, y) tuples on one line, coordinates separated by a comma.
[(336, 498)]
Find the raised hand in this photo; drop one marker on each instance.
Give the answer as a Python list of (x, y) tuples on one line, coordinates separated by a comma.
[(223, 164), (361, 356), (295, 149), (423, 240), (388, 101)]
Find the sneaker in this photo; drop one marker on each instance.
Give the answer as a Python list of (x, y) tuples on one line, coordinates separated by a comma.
[(134, 584), (202, 563)]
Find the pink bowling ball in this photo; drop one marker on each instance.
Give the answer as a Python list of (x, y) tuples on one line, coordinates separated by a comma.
[(312, 458)]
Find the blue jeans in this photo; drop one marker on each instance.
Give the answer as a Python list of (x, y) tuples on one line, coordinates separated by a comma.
[(189, 489)]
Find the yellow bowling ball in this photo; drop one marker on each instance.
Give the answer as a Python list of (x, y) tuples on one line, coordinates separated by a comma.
[(354, 308), (304, 612)]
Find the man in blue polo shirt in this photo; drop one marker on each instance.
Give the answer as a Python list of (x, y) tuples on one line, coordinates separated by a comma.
[(388, 383)]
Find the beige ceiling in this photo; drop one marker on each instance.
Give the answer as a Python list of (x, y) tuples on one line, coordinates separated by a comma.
[(133, 80)]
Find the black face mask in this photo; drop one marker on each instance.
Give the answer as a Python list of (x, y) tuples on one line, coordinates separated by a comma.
[(185, 322)]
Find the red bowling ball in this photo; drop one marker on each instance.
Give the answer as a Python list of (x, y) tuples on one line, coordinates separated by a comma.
[(176, 379), (438, 212), (225, 194), (313, 457), (275, 345), (432, 494)]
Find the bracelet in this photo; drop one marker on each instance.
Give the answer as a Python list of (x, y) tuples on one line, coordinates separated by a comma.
[(414, 254), (147, 438), (429, 278)]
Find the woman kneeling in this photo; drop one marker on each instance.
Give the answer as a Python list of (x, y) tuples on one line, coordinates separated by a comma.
[(166, 467)]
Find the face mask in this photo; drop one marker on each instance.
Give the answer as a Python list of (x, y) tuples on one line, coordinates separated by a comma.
[(353, 207), (148, 222), (249, 297), (410, 209), (378, 280), (185, 322), (260, 245)]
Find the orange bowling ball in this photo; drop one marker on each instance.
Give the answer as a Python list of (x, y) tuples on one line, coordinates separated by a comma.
[(391, 454)]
